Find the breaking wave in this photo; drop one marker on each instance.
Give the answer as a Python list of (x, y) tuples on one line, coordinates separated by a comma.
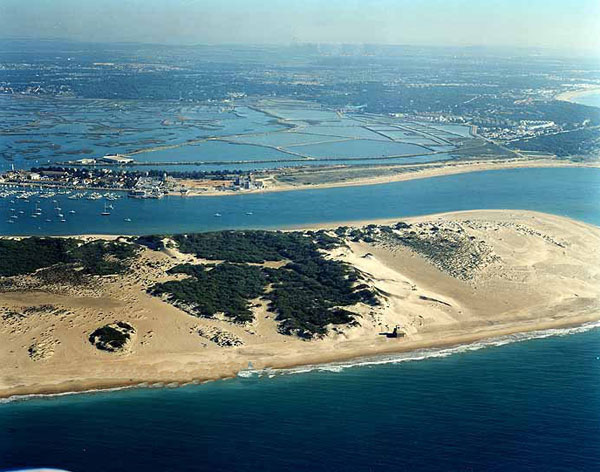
[(31, 396), (336, 367), (422, 354)]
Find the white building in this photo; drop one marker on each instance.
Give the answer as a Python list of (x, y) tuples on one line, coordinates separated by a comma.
[(116, 159)]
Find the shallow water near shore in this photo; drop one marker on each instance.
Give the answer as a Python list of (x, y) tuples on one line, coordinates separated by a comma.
[(591, 98), (532, 405)]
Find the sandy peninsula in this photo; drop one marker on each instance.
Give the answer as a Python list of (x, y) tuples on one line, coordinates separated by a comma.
[(388, 174), (514, 271), (571, 95)]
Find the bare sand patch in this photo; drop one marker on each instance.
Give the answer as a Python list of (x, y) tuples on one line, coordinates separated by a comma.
[(539, 271)]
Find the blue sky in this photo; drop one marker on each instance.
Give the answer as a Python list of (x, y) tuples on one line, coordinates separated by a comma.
[(558, 24)]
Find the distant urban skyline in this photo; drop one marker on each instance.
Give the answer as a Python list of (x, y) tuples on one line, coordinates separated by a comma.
[(550, 24)]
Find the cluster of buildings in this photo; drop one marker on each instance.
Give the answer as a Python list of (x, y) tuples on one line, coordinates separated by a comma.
[(108, 159), (495, 128), (246, 182), (138, 186), (523, 129), (148, 187), (77, 178), (433, 117)]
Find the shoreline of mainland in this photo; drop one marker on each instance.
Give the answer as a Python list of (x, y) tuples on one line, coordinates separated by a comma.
[(551, 300), (405, 173), (571, 95), (417, 171)]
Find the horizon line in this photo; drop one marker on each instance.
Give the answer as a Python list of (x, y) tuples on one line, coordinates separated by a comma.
[(589, 52)]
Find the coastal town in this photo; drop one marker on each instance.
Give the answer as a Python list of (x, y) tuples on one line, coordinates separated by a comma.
[(135, 184)]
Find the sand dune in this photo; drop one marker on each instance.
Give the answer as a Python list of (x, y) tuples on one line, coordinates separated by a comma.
[(520, 271)]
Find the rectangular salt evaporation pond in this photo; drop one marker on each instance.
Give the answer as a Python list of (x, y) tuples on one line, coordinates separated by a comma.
[(442, 148), (205, 113), (213, 151), (245, 121), (303, 114), (283, 139), (358, 148), (301, 163), (412, 138), (458, 130), (356, 131), (210, 167)]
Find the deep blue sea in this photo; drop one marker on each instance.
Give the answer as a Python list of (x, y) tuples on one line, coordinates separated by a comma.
[(526, 406), (532, 405)]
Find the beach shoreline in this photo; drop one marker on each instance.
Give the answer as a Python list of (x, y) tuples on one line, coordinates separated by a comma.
[(75, 387), (571, 95), (168, 353), (412, 172), (422, 171)]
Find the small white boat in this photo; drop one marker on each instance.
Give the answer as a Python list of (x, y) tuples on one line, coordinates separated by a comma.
[(72, 212), (105, 212), (217, 214), (127, 219)]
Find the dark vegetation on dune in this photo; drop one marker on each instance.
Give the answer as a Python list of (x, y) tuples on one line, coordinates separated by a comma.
[(224, 288), (112, 337), (306, 294), (246, 246), (309, 294), (25, 256), (103, 257)]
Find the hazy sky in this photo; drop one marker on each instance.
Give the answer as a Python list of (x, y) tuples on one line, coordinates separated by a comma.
[(563, 24)]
